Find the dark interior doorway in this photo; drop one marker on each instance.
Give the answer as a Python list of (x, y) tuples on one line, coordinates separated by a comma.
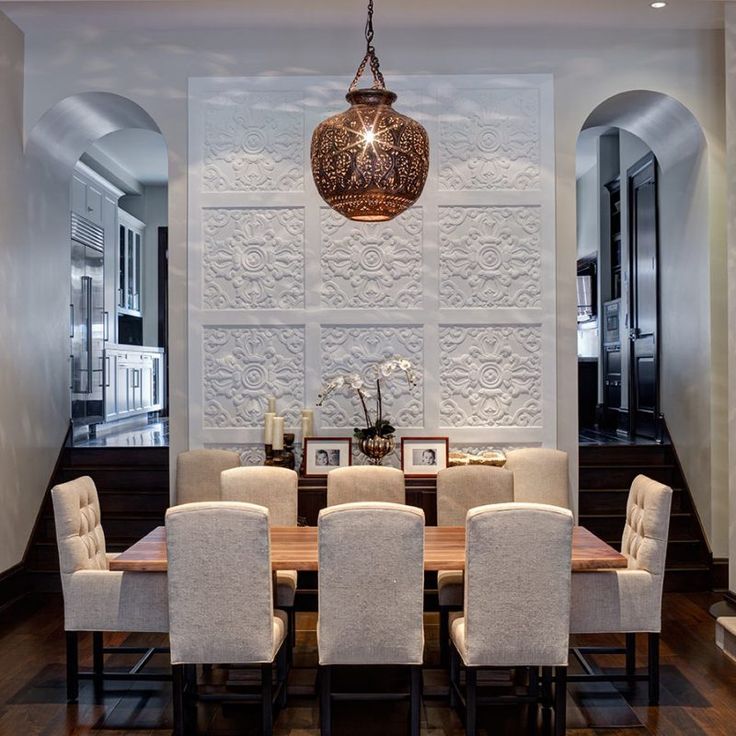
[(644, 299), (163, 306)]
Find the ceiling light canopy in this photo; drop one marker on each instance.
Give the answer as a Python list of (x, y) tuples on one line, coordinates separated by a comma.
[(370, 162)]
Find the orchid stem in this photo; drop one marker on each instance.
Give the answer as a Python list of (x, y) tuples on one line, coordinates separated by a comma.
[(379, 401), (365, 409)]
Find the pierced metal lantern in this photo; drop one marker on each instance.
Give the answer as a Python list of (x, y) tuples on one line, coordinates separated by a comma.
[(370, 162)]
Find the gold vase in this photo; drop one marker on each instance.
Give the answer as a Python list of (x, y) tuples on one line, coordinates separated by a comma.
[(376, 448)]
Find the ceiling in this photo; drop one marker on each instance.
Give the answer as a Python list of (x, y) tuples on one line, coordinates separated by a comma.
[(140, 153), (33, 15)]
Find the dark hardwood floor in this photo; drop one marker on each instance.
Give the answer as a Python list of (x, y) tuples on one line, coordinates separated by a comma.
[(698, 688)]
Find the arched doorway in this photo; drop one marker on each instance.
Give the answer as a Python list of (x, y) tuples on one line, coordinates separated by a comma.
[(642, 239), (97, 166)]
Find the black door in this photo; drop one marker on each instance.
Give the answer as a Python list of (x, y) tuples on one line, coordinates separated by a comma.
[(644, 375)]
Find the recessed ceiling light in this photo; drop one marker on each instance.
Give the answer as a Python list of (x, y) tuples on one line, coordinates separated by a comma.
[(658, 5)]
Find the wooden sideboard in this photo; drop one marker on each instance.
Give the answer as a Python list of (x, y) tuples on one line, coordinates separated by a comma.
[(421, 492)]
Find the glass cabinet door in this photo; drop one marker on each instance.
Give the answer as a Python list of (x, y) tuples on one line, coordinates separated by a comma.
[(130, 263)]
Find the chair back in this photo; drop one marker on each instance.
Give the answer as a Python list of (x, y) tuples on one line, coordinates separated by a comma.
[(220, 590), (460, 489), (371, 584), (274, 488), (365, 483), (517, 585), (647, 525), (79, 534), (540, 475), (198, 474)]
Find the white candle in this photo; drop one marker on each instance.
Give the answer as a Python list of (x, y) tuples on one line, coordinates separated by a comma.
[(272, 404), (268, 427), (309, 415), (278, 433), (306, 427)]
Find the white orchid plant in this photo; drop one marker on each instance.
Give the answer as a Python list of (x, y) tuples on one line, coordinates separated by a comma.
[(375, 426)]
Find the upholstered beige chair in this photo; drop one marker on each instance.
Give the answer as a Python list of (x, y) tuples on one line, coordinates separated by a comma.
[(629, 601), (516, 611), (365, 483), (458, 490), (97, 599), (371, 580), (220, 598), (277, 490), (198, 474), (540, 475)]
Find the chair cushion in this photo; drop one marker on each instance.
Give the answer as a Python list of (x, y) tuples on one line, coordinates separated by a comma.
[(457, 636), (285, 587), (280, 629), (450, 587)]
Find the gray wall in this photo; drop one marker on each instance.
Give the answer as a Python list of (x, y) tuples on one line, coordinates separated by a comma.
[(32, 417)]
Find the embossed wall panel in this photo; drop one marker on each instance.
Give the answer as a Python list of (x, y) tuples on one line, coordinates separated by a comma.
[(285, 293)]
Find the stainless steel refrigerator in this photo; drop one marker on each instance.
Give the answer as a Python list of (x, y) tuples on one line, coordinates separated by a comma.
[(88, 322)]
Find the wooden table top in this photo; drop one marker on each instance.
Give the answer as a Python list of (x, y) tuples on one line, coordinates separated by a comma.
[(295, 548)]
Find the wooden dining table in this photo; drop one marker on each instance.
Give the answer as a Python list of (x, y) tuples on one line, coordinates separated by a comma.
[(296, 548)]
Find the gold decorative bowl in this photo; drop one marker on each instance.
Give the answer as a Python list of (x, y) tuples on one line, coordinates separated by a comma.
[(376, 448)]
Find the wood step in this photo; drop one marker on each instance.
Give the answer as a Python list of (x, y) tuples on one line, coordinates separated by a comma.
[(622, 476), (611, 500), (119, 478), (625, 454), (154, 457), (611, 526), (687, 578)]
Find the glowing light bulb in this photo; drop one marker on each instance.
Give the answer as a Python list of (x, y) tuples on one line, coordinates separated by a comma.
[(658, 5), (369, 136)]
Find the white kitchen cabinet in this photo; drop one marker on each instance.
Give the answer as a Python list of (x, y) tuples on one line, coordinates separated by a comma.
[(134, 378), (130, 264)]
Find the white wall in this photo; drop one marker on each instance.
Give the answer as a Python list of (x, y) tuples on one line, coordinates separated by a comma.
[(32, 363), (152, 68), (588, 213), (151, 208)]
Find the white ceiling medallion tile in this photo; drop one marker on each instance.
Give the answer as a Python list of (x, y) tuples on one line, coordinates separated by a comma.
[(490, 140), (253, 142), (245, 365), (367, 265), (253, 258), (356, 350), (490, 257), (491, 376)]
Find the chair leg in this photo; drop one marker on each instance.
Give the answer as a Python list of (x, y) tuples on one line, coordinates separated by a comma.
[(72, 666), (267, 699), (471, 692), (560, 701), (325, 700), (282, 672), (444, 635), (631, 657), (415, 700), (653, 669), (533, 712), (291, 615), (177, 673), (546, 699), (454, 675), (98, 643)]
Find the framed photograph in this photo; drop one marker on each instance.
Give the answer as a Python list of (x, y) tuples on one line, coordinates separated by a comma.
[(424, 457), (326, 453)]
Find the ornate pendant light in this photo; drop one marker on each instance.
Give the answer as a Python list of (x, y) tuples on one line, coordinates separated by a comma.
[(370, 162)]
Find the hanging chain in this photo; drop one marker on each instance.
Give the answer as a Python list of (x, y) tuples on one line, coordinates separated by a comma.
[(370, 56)]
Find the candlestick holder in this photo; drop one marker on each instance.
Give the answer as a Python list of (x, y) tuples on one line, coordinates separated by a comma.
[(281, 458)]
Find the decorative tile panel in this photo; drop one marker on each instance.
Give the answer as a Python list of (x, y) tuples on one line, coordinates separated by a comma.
[(253, 141), (491, 140), (490, 257), (371, 264), (245, 365), (354, 349), (253, 258), (491, 376)]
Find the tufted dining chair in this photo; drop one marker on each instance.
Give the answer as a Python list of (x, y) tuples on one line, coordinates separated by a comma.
[(365, 483), (540, 475), (198, 473), (97, 599), (277, 490), (219, 615), (371, 595), (629, 601), (516, 611), (458, 490)]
